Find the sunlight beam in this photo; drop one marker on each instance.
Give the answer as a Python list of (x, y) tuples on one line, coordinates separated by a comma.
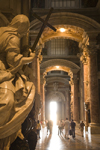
[(53, 112)]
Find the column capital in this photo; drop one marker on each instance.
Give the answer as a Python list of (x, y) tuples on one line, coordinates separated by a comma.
[(83, 58)]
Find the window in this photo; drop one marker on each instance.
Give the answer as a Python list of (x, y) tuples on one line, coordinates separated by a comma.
[(61, 47), (57, 47), (63, 4)]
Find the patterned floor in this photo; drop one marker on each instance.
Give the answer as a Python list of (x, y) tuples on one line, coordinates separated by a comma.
[(55, 142)]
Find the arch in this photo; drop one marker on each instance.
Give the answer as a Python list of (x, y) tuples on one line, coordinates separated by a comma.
[(64, 65), (55, 96), (57, 79), (68, 18), (77, 27)]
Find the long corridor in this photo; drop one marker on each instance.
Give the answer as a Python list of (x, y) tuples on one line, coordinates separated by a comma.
[(55, 142)]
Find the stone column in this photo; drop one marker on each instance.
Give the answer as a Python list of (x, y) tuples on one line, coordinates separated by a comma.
[(74, 98), (81, 91), (76, 105), (67, 104), (84, 58), (42, 89), (71, 97), (36, 73), (62, 108), (93, 83), (93, 97)]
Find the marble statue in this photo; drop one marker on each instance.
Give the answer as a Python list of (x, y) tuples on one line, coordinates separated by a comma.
[(16, 91)]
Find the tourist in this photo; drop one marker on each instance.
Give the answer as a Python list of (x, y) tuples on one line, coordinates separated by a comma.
[(82, 127), (48, 128), (67, 127), (73, 124), (60, 127), (50, 125)]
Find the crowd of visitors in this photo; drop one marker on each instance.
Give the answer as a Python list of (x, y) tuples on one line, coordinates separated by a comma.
[(67, 126)]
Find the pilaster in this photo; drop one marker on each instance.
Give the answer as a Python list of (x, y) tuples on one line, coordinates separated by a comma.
[(74, 97), (42, 86), (91, 86)]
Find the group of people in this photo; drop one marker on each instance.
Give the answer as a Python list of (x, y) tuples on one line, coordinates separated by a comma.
[(69, 128)]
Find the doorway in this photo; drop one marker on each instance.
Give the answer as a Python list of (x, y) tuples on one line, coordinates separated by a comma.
[(53, 112)]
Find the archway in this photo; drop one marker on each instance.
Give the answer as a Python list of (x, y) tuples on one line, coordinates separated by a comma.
[(56, 95), (78, 27)]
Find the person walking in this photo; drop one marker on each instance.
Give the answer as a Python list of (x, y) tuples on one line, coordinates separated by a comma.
[(60, 127), (82, 127), (50, 126), (73, 124), (67, 127)]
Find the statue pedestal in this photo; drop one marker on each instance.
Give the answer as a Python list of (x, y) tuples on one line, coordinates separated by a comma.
[(94, 128)]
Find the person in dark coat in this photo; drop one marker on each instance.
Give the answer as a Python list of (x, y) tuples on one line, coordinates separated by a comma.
[(73, 124)]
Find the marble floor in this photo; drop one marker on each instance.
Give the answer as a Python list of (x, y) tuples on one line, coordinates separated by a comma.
[(55, 142)]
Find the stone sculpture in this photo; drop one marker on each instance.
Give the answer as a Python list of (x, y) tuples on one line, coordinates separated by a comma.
[(16, 91)]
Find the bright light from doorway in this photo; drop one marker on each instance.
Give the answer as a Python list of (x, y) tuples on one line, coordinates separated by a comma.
[(53, 112)]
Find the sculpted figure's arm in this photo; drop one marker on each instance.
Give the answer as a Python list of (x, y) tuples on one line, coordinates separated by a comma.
[(15, 60), (24, 60)]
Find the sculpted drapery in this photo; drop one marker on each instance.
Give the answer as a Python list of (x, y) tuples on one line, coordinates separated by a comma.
[(16, 91)]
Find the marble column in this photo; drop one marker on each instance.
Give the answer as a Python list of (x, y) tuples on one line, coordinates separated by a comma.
[(42, 89), (71, 97), (74, 99), (67, 105), (76, 107), (93, 98), (62, 110), (93, 85), (81, 91), (84, 58), (36, 73)]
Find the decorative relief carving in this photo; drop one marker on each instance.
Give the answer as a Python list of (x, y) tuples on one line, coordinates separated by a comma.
[(68, 29), (84, 59), (71, 82), (70, 73), (87, 51)]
